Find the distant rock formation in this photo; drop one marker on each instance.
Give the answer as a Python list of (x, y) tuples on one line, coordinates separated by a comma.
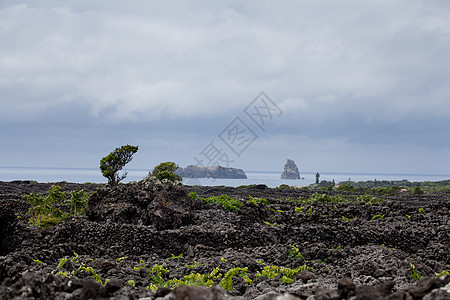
[(194, 171), (290, 170)]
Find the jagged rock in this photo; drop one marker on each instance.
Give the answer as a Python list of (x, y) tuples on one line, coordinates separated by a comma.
[(194, 171), (290, 170), (163, 204)]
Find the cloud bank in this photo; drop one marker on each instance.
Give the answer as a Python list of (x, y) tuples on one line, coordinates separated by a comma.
[(372, 73)]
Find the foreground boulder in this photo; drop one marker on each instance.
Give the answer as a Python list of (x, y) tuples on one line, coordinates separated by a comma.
[(163, 204)]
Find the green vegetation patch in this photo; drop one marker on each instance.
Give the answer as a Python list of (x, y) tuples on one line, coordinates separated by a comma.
[(46, 210), (335, 199), (223, 200)]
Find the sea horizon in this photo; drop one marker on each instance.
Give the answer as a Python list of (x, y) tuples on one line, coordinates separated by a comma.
[(270, 178)]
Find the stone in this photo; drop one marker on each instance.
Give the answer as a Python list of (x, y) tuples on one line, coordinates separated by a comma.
[(290, 170)]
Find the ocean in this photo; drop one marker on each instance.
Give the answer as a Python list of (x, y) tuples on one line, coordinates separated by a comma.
[(271, 179)]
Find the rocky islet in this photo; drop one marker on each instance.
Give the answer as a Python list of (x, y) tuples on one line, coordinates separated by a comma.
[(290, 170), (196, 171)]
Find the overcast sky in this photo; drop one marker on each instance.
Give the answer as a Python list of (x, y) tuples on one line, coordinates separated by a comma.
[(351, 86)]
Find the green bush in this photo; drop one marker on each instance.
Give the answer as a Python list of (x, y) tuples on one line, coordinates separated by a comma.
[(225, 201), (283, 186), (389, 191), (78, 202), (346, 188), (417, 191), (255, 201), (166, 170), (45, 211)]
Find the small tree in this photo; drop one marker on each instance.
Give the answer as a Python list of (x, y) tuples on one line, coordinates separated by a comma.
[(111, 164), (166, 170)]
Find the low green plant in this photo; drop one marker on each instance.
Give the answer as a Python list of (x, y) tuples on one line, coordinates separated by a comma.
[(173, 256), (300, 200), (131, 283), (376, 217), (273, 272), (295, 252), (227, 281), (346, 188), (270, 224), (193, 195), (414, 274), (349, 219), (38, 261), (61, 263), (443, 274), (335, 199), (422, 211), (369, 199), (91, 270), (311, 210), (223, 200), (245, 186), (82, 268), (196, 264), (255, 201), (283, 186), (74, 259), (156, 273), (299, 209), (119, 259)]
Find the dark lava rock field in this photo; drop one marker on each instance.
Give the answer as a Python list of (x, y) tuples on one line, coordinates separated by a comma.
[(150, 240)]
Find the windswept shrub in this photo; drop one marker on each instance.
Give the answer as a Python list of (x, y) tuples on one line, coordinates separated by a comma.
[(111, 164)]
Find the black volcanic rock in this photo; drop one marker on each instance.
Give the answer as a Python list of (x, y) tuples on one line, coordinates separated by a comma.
[(290, 170), (195, 171), (131, 228)]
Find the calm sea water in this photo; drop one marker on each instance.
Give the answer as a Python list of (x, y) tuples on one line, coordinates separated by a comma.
[(271, 179)]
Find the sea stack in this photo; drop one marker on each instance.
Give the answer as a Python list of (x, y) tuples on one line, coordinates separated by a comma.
[(290, 170)]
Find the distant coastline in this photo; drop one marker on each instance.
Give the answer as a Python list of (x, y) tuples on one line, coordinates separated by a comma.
[(270, 178)]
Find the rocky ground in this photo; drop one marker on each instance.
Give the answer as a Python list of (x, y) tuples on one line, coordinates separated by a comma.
[(138, 238)]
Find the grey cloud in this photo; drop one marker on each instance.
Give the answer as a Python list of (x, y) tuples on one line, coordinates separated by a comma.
[(372, 73)]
